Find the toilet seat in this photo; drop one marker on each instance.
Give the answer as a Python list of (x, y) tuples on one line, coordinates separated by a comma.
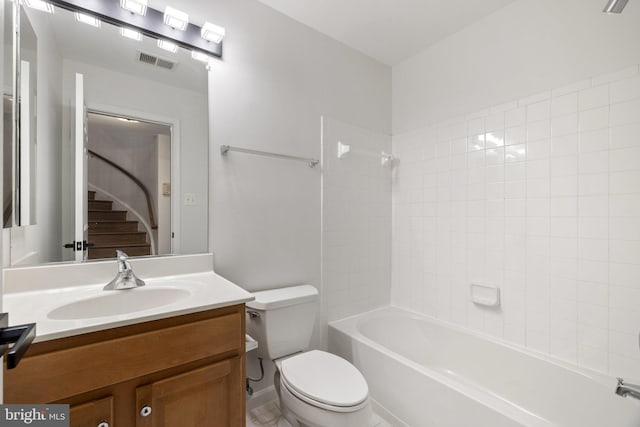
[(325, 380)]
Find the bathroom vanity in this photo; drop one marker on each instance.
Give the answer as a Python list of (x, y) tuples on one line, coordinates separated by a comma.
[(179, 363)]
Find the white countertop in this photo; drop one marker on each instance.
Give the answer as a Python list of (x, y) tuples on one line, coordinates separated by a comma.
[(195, 292)]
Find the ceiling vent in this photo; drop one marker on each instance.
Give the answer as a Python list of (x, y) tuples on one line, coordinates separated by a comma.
[(154, 60)]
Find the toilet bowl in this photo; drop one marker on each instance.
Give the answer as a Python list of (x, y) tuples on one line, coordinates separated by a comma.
[(319, 389), (315, 388)]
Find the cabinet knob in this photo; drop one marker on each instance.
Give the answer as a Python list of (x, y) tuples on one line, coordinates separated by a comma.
[(145, 411), (103, 424)]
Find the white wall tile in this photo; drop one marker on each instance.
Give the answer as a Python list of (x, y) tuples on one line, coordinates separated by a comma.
[(515, 117), (594, 162), (539, 111), (625, 159), (593, 184), (593, 119), (593, 228), (564, 125), (624, 275), (564, 145), (624, 229), (515, 153), (625, 205), (625, 113), (540, 196), (539, 149), (563, 166), (625, 136), (590, 206), (595, 140), (565, 104), (594, 97), (625, 90), (538, 130)]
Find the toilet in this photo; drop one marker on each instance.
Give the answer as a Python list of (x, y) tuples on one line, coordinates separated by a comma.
[(315, 388)]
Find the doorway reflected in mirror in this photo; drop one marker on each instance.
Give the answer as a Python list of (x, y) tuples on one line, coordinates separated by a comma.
[(129, 182)]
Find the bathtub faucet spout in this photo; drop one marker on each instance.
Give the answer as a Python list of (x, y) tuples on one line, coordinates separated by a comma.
[(625, 390)]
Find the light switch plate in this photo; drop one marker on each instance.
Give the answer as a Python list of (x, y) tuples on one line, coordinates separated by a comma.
[(189, 199)]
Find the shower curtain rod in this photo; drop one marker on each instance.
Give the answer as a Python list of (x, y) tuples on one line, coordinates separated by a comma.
[(224, 149)]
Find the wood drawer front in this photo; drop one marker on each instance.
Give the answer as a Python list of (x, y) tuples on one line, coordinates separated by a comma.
[(91, 414), (53, 376)]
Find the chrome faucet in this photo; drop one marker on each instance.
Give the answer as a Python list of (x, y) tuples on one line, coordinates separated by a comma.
[(625, 390), (125, 279)]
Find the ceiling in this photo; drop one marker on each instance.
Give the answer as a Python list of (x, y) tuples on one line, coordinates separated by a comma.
[(387, 30)]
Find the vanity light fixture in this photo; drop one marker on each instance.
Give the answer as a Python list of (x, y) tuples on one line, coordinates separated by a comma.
[(139, 7), (87, 19), (41, 5), (168, 46), (131, 34), (176, 18), (212, 32), (171, 25), (199, 56), (615, 6)]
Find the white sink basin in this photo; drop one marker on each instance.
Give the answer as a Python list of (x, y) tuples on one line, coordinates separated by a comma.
[(114, 303)]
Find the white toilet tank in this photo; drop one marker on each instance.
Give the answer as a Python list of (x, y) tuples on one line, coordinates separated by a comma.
[(282, 320)]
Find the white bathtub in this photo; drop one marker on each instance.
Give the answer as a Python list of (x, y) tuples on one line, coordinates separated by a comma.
[(429, 373)]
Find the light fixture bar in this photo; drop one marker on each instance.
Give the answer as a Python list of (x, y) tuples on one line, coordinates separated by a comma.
[(212, 32), (176, 18), (168, 46), (199, 56), (131, 34), (615, 6), (152, 24), (87, 19), (139, 7), (41, 5)]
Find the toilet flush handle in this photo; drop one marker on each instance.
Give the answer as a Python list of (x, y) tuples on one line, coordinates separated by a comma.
[(253, 314)]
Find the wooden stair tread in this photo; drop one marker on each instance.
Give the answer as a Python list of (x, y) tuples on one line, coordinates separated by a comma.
[(120, 221), (108, 233), (124, 245), (110, 229)]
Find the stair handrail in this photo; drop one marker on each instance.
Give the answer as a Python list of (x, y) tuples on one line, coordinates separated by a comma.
[(152, 218)]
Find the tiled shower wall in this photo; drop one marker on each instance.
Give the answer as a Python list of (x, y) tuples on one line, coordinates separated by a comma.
[(541, 198), (356, 221)]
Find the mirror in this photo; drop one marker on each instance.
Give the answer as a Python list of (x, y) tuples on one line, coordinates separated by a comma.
[(122, 145), (7, 115)]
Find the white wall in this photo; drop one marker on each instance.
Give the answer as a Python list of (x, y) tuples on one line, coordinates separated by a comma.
[(276, 80), (537, 194), (522, 49)]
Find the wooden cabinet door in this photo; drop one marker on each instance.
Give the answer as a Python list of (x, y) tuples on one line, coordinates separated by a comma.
[(92, 413), (210, 396)]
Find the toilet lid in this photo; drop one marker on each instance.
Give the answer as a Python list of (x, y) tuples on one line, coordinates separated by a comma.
[(325, 378)]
